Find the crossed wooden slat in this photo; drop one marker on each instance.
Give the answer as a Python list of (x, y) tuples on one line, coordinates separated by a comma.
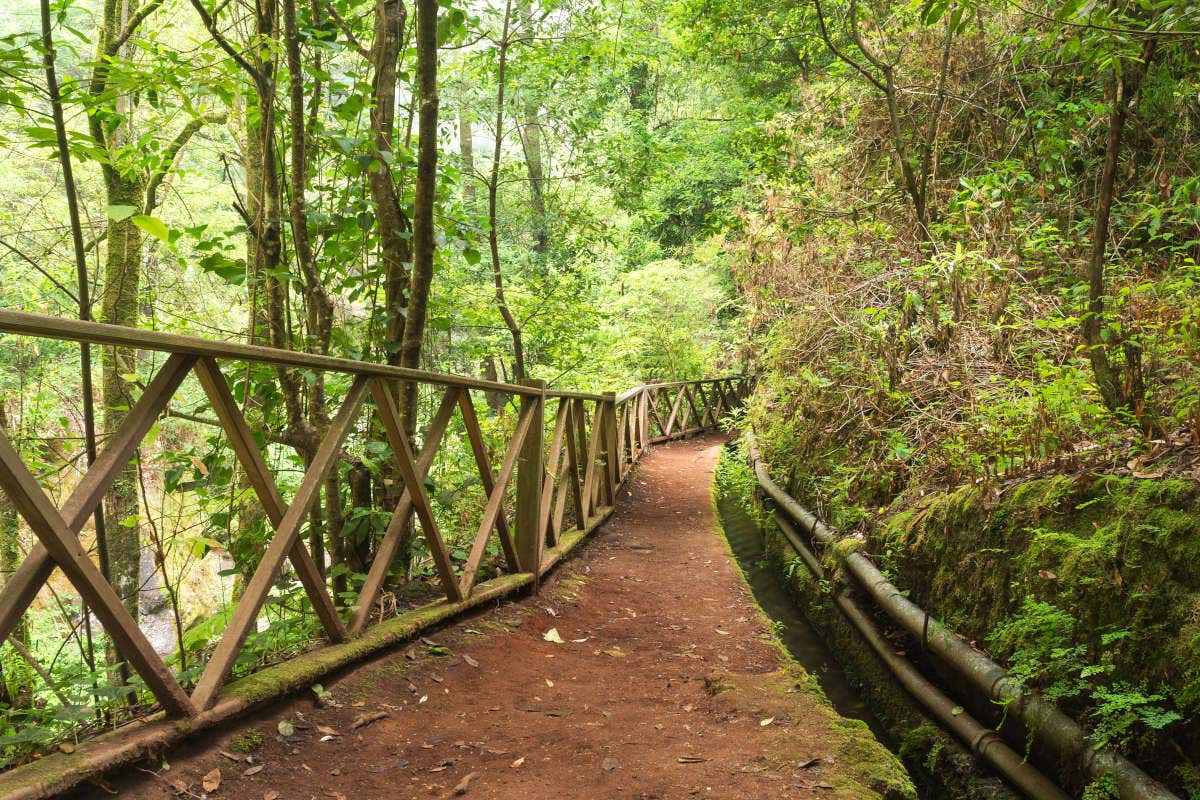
[(58, 532), (390, 544), (655, 399), (592, 474), (674, 411), (282, 545), (554, 470), (486, 476), (495, 505), (257, 473), (574, 446), (631, 431)]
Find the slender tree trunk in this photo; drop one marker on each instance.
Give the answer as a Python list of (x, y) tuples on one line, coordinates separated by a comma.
[(318, 307), (1118, 394), (119, 305), (394, 225), (85, 308), (466, 151), (531, 143), (423, 203), (510, 321)]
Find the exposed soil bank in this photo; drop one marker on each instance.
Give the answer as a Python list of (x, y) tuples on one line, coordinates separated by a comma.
[(667, 684)]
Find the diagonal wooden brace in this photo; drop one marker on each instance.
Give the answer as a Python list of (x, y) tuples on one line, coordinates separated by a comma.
[(245, 614), (24, 584), (393, 537), (494, 506), (486, 477), (63, 547), (414, 483), (257, 473)]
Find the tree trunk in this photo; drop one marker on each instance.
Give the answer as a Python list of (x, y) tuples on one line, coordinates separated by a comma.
[(318, 307), (424, 200), (510, 321), (466, 151), (394, 225), (531, 143), (119, 304), (1120, 393)]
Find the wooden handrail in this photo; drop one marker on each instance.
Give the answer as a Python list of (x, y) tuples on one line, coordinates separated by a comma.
[(597, 438), (48, 327)]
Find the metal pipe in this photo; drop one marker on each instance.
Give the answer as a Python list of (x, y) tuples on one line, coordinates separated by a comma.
[(1064, 737), (981, 740)]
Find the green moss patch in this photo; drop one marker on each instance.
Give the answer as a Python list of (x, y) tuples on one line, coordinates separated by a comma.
[(1120, 555)]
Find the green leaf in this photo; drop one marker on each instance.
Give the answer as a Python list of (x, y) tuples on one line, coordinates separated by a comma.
[(118, 212), (153, 226)]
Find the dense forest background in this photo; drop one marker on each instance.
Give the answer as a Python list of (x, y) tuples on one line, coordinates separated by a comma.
[(957, 241)]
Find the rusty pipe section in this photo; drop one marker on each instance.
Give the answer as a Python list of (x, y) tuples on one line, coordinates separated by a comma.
[(979, 739), (1055, 731)]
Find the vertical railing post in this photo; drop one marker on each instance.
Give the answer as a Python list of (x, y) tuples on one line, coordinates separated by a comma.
[(611, 452), (644, 417), (530, 473)]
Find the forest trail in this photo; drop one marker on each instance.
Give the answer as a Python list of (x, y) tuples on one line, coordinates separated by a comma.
[(666, 685)]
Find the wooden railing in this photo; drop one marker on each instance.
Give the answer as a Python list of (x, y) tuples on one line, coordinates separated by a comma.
[(594, 441)]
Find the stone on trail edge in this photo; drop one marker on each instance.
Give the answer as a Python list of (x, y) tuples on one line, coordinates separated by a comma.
[(663, 681)]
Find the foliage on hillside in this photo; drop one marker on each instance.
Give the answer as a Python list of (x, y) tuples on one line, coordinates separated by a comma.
[(974, 266)]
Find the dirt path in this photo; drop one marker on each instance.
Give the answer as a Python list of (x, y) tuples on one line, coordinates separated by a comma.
[(665, 685)]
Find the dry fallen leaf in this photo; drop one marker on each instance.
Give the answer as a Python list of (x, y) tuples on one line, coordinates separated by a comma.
[(257, 768), (66, 747), (212, 781), (550, 683), (691, 760), (285, 728), (765, 722), (615, 652), (609, 764), (270, 794), (470, 661), (518, 762), (552, 636), (326, 730)]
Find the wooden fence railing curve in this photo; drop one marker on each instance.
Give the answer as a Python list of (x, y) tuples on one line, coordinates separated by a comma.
[(565, 484)]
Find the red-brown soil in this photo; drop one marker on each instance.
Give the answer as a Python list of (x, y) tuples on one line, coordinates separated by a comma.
[(660, 688)]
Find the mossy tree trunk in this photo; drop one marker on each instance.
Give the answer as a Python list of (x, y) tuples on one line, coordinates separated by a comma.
[(531, 143), (119, 306), (125, 189)]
